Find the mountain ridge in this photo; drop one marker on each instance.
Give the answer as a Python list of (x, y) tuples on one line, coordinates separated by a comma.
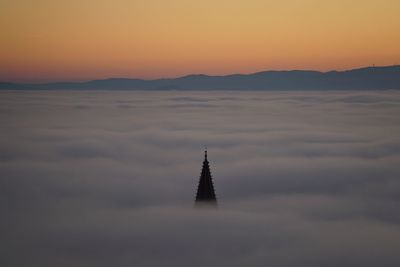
[(366, 78)]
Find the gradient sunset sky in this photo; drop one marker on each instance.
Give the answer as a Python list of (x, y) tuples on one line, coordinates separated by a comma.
[(54, 40)]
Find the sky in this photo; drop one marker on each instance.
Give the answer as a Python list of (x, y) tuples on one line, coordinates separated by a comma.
[(100, 178), (48, 40)]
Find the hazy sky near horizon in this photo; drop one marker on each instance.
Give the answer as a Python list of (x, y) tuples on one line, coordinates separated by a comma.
[(47, 40)]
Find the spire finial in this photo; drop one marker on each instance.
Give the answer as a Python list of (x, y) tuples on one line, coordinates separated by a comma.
[(205, 152)]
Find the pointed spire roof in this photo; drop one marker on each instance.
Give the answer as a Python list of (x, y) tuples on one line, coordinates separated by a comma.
[(205, 190)]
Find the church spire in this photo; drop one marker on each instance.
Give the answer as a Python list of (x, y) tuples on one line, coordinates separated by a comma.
[(205, 190)]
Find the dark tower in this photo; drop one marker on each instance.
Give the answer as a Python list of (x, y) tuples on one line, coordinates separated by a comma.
[(205, 191)]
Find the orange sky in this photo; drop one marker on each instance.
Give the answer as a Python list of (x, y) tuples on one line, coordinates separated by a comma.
[(49, 40)]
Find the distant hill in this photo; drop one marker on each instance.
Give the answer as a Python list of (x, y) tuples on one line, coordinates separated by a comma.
[(370, 78)]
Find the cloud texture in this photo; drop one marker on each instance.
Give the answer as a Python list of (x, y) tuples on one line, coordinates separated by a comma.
[(109, 178)]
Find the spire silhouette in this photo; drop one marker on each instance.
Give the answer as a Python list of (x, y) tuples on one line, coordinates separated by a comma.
[(205, 190)]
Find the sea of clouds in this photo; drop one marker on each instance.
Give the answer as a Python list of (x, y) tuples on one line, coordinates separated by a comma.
[(106, 178)]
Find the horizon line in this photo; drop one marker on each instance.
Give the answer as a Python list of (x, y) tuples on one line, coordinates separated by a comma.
[(197, 74)]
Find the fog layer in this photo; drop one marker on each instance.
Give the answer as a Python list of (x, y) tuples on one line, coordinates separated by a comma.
[(109, 178)]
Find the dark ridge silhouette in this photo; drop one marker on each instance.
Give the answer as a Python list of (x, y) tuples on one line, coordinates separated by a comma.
[(205, 191), (370, 78), (15, 86)]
